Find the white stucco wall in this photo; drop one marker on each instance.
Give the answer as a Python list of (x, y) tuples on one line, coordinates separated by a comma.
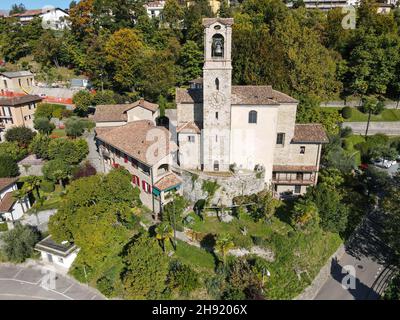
[(139, 113), (189, 152), (253, 144), (58, 261), (16, 211)]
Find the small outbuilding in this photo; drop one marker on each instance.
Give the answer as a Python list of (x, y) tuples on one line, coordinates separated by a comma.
[(58, 255)]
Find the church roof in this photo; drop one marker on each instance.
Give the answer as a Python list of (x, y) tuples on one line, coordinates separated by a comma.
[(310, 133), (246, 95), (225, 21)]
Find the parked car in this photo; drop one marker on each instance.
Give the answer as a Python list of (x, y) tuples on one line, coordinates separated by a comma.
[(384, 163)]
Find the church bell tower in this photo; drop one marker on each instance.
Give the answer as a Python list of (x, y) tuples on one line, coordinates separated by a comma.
[(217, 88)]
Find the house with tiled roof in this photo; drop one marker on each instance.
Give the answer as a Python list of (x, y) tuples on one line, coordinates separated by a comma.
[(220, 125), (127, 136), (11, 209), (17, 111), (52, 17)]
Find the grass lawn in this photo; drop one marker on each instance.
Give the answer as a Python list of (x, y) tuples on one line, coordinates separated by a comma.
[(358, 116), (350, 147), (3, 227), (199, 259), (58, 133), (294, 250)]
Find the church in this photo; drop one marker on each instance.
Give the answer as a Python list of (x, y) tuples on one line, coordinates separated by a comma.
[(225, 128)]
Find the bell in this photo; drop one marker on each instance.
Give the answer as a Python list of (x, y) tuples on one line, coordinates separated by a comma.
[(218, 48)]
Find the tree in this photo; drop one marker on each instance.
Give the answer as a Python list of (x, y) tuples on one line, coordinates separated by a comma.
[(75, 127), (32, 183), (305, 214), (19, 243), (371, 105), (173, 212), (40, 146), (71, 152), (391, 206), (20, 196), (332, 211), (172, 14), (17, 8), (13, 150), (223, 244), (48, 110), (125, 51), (147, 270), (8, 166), (190, 60), (43, 125), (22, 135), (164, 232), (56, 170), (83, 100)]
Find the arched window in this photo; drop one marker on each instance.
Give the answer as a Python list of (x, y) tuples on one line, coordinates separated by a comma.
[(217, 84), (217, 46), (253, 116)]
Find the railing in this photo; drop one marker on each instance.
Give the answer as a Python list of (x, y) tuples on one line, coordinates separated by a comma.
[(293, 181)]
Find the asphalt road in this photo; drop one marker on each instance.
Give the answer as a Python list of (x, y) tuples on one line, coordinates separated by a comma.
[(369, 257), (35, 283)]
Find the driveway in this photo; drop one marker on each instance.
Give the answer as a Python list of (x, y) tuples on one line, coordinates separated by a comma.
[(94, 156), (370, 259), (37, 283), (43, 217)]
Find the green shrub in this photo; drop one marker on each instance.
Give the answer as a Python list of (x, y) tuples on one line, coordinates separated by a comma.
[(182, 277), (348, 145), (347, 112), (242, 241), (19, 243), (47, 186), (105, 286)]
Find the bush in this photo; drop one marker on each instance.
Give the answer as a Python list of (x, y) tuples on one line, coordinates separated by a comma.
[(348, 145), (84, 170), (347, 112), (8, 167), (43, 125), (105, 286), (183, 278), (40, 146), (19, 243), (22, 135), (242, 241), (47, 186)]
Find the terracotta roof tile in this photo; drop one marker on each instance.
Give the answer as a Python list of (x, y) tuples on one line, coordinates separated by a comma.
[(117, 112), (7, 202), (134, 140), (5, 182), (189, 127), (169, 181), (17, 101), (310, 133), (253, 95), (294, 168)]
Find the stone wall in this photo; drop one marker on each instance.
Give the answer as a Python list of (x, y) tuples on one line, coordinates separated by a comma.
[(230, 186)]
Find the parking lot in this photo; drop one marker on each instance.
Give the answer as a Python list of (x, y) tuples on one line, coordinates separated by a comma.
[(38, 283)]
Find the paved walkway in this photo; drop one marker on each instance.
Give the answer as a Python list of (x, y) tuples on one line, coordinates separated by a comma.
[(94, 156), (43, 216), (36, 283)]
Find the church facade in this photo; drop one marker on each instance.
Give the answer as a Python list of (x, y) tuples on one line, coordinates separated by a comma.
[(221, 127)]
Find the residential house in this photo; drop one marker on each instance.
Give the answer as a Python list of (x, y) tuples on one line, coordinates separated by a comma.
[(17, 111), (127, 136), (53, 18), (10, 208), (154, 8), (20, 82)]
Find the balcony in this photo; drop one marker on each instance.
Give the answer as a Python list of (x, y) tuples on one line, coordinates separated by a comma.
[(293, 179)]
